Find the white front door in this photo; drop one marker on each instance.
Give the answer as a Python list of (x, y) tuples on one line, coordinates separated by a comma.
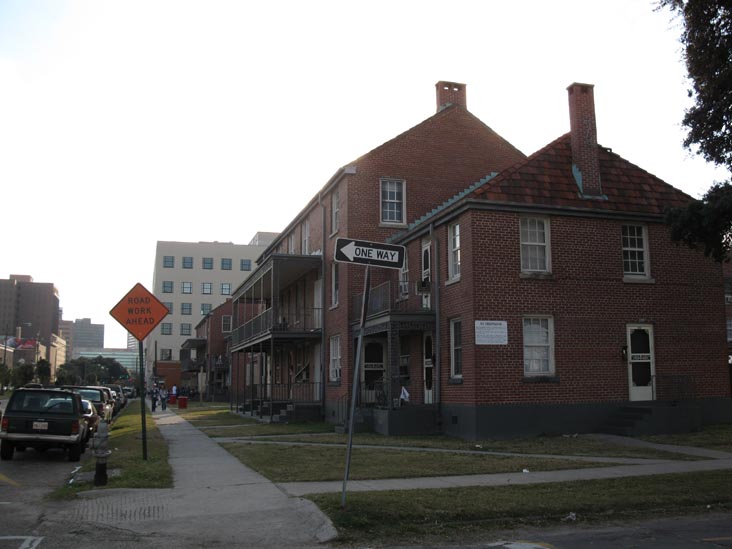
[(641, 362), (429, 368)]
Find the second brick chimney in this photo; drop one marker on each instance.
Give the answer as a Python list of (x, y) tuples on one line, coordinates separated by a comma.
[(450, 93), (585, 162)]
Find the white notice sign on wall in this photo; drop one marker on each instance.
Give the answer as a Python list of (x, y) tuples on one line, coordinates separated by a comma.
[(491, 332)]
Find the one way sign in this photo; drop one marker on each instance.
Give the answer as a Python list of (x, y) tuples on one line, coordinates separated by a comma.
[(362, 252)]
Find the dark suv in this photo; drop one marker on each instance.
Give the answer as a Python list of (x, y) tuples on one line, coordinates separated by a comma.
[(42, 419)]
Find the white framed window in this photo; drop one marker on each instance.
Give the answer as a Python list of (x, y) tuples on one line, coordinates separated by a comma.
[(186, 308), (538, 345), (168, 262), (305, 233), (226, 324), (404, 279), (166, 328), (225, 288), (334, 284), (456, 348), (185, 328), (635, 251), (225, 263), (206, 308), (535, 250), (453, 258), (392, 201), (291, 243), (335, 211), (167, 286), (335, 358), (206, 288), (187, 262), (186, 287), (245, 265)]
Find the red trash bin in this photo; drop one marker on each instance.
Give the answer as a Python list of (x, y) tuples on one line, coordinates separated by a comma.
[(182, 402), (171, 399)]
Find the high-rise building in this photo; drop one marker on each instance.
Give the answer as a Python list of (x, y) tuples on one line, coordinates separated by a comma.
[(191, 279), (86, 336), (29, 310)]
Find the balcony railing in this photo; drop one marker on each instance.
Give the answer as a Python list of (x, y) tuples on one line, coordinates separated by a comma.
[(307, 320), (301, 392), (384, 298)]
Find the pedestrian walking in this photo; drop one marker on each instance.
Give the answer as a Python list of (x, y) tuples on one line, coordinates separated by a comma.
[(163, 398), (154, 398)]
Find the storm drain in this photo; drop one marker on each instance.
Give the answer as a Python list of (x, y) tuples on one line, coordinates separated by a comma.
[(122, 509)]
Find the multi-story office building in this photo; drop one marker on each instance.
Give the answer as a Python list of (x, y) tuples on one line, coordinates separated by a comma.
[(86, 336), (192, 279), (29, 310)]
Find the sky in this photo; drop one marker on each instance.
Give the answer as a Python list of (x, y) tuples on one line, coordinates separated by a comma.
[(124, 123)]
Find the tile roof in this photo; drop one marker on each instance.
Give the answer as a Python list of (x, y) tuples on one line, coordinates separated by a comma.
[(545, 178)]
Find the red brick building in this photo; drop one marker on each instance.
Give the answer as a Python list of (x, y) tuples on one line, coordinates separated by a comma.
[(540, 294)]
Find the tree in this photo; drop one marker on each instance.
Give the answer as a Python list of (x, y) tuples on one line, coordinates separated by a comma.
[(707, 40), (4, 377), (43, 371), (22, 374)]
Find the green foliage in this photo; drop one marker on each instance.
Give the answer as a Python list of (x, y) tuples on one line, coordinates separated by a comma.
[(705, 224), (22, 374), (4, 376), (43, 371), (707, 39), (91, 371)]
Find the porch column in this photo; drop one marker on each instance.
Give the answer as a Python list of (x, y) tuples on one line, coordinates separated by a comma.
[(391, 376)]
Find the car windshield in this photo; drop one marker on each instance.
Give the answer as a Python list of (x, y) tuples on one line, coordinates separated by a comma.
[(36, 402), (90, 394)]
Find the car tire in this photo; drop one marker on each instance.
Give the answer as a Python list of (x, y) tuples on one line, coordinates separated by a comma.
[(20, 448), (6, 450), (75, 452)]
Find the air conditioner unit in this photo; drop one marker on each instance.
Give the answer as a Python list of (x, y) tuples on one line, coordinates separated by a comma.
[(422, 286), (728, 299)]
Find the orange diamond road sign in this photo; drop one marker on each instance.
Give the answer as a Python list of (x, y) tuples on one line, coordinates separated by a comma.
[(139, 312)]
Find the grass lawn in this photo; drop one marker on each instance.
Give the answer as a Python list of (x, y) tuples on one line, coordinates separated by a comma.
[(125, 441), (210, 414), (462, 515), (714, 437), (282, 463), (559, 445), (267, 429)]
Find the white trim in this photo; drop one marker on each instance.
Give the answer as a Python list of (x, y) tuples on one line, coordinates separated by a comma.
[(453, 322), (526, 229), (334, 362), (645, 258), (454, 249), (537, 345), (393, 223)]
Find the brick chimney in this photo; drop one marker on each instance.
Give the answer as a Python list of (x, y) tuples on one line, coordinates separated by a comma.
[(450, 93), (585, 162)]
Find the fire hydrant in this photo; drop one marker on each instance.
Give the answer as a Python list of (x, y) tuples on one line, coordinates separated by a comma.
[(101, 453)]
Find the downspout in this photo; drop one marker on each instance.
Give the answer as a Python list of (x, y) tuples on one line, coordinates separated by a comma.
[(436, 277), (321, 392)]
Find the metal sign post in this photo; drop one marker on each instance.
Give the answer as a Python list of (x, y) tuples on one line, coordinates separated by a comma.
[(139, 312), (378, 254), (356, 379)]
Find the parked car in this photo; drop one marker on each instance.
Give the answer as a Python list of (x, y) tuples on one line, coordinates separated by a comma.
[(110, 397), (98, 397), (92, 418), (42, 419)]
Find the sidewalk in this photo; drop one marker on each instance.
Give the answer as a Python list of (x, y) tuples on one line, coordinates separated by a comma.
[(215, 501)]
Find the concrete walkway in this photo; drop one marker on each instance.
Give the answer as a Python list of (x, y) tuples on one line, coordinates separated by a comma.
[(215, 501)]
